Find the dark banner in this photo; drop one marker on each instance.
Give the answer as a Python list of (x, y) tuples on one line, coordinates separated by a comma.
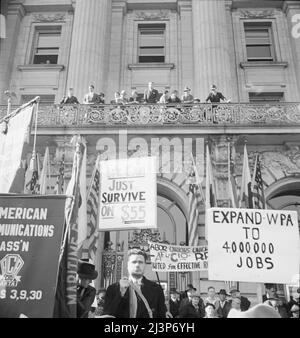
[(31, 229)]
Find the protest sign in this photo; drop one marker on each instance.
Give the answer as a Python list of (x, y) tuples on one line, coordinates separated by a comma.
[(179, 258), (12, 150), (252, 245), (31, 229), (128, 194)]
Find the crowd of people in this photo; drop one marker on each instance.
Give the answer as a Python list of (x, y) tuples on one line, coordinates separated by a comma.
[(150, 96), (137, 297)]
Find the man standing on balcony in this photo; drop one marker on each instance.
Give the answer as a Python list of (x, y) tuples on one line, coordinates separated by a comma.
[(151, 95), (135, 296), (91, 97), (215, 96), (70, 99)]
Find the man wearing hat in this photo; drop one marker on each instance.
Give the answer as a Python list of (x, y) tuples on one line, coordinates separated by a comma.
[(174, 303), (85, 292), (225, 305), (245, 303), (187, 97)]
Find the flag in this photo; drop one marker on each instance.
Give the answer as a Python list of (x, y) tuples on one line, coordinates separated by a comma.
[(195, 200), (231, 180), (32, 175), (66, 294), (45, 173), (210, 188), (14, 145), (245, 198), (82, 212), (89, 246), (259, 201), (60, 181)]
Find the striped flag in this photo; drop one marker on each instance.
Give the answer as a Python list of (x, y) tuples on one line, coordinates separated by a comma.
[(232, 189), (60, 181), (82, 212), (32, 175), (245, 198), (89, 247), (259, 201), (45, 174), (210, 188), (195, 200)]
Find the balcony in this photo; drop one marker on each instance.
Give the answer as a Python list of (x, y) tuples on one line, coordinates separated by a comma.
[(200, 118)]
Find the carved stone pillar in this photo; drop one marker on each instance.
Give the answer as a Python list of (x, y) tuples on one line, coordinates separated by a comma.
[(211, 47), (15, 14), (89, 46)]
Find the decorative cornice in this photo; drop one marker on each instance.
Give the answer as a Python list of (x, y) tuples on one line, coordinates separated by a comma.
[(55, 17), (152, 15), (250, 14), (264, 64), (40, 67), (136, 66)]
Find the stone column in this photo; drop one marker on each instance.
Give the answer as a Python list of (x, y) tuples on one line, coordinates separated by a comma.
[(211, 48), (15, 14), (89, 46), (292, 10)]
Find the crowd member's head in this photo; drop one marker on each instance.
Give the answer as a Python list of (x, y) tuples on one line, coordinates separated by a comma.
[(211, 292), (195, 298), (270, 289), (136, 263), (213, 88), (236, 303), (134, 94), (174, 295), (190, 294), (210, 310), (235, 293), (86, 273), (295, 311), (70, 92), (222, 295), (91, 88)]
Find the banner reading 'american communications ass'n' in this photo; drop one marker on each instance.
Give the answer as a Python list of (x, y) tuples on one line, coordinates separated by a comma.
[(13, 138), (31, 229)]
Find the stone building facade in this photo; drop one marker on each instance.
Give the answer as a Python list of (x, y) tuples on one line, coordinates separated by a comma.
[(249, 48)]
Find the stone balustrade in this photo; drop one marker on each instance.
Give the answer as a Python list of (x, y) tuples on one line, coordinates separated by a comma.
[(201, 114)]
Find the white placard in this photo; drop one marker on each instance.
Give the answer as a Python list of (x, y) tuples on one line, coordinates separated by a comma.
[(128, 194), (252, 245), (167, 258)]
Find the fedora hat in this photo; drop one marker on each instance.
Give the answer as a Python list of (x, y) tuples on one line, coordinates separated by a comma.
[(174, 291), (86, 270), (190, 286), (223, 292), (186, 89)]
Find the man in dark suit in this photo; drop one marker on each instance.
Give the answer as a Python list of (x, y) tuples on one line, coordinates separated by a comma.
[(85, 292), (225, 305), (70, 99), (91, 97), (135, 296), (174, 303), (151, 95), (193, 309)]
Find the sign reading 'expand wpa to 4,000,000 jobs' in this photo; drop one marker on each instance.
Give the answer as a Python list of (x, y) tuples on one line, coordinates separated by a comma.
[(252, 245), (128, 194)]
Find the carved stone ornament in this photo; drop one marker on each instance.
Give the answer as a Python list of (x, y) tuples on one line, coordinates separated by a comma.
[(152, 15), (267, 13), (49, 18)]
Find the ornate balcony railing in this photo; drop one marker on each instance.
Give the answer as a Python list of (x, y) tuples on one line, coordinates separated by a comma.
[(201, 114)]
